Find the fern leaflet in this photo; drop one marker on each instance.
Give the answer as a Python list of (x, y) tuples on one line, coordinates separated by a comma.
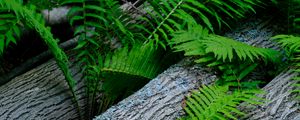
[(216, 102)]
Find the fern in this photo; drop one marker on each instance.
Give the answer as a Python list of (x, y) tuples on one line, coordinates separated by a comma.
[(198, 41), (36, 21), (217, 102), (126, 70), (9, 29), (122, 60), (234, 60), (166, 16), (103, 22)]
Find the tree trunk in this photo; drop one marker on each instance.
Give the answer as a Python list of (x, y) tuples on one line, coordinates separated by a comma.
[(56, 15), (280, 101), (40, 93)]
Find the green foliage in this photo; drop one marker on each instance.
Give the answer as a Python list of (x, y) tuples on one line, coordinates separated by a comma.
[(36, 21), (9, 29), (98, 24), (44, 4), (235, 60), (101, 24), (291, 44), (126, 68), (164, 17), (217, 102), (197, 41)]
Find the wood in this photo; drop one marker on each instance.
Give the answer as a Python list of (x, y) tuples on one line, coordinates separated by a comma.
[(40, 94), (280, 102), (56, 15)]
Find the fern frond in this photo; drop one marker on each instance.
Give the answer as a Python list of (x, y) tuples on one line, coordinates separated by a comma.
[(9, 29), (233, 59), (128, 66), (217, 102), (98, 24), (289, 42), (101, 25), (197, 41), (165, 16)]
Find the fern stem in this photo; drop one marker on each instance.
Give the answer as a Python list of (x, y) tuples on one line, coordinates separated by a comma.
[(59, 55), (164, 20)]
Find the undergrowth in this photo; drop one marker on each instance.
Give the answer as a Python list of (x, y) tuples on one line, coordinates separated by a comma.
[(121, 50)]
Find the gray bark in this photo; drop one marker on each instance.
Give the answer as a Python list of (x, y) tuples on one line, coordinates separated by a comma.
[(56, 15), (280, 102), (40, 94)]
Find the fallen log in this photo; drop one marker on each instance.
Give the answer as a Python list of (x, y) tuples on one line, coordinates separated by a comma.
[(41, 93), (280, 102)]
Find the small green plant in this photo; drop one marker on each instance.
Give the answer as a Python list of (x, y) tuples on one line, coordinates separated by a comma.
[(218, 102), (9, 29)]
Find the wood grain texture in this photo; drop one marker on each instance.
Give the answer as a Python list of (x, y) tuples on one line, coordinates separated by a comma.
[(280, 102), (40, 94)]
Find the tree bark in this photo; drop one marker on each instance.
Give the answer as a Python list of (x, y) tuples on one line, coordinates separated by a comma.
[(41, 93), (56, 15), (280, 102)]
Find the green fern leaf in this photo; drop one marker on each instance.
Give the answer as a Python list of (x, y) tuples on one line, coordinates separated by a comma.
[(225, 49), (133, 66), (216, 102)]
